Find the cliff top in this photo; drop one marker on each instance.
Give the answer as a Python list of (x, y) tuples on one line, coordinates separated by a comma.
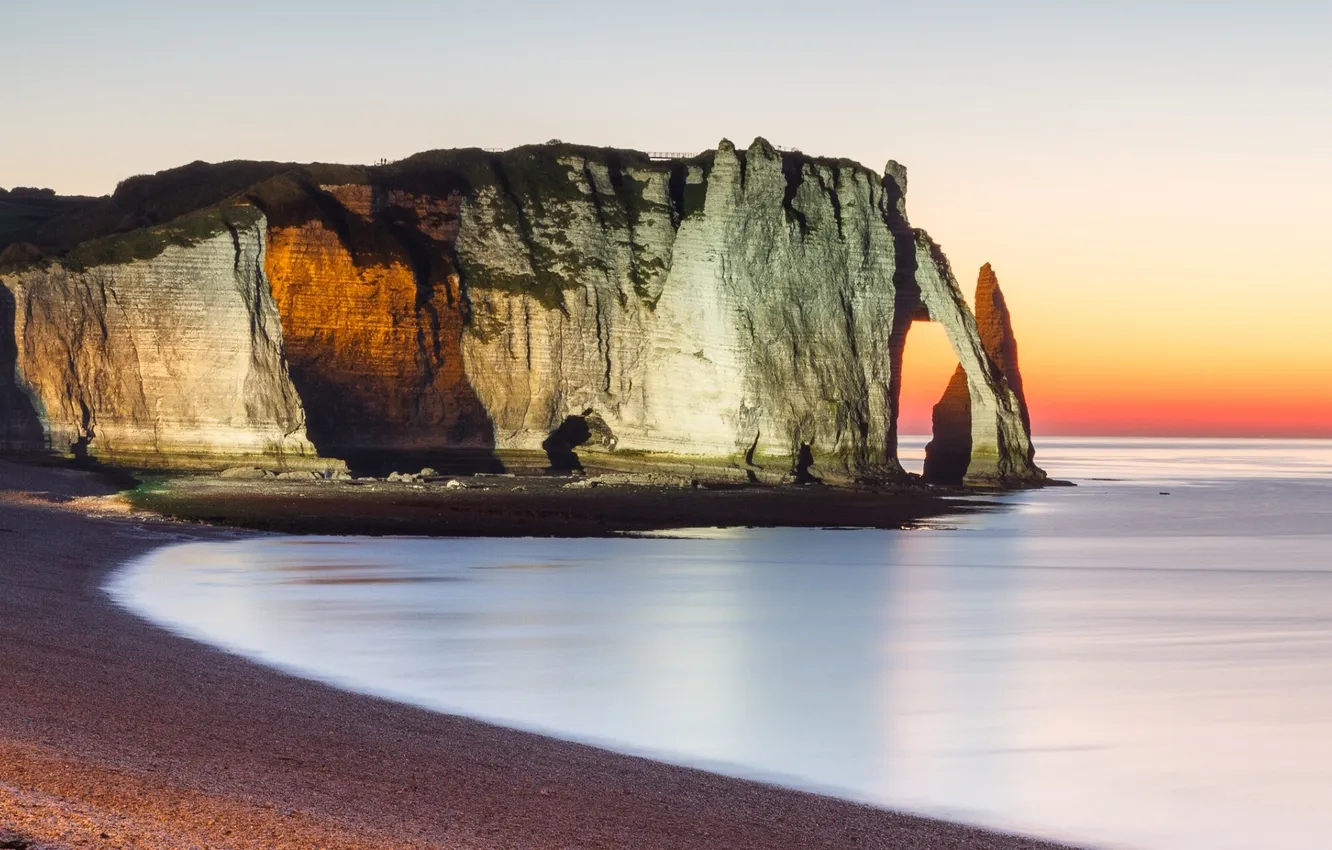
[(183, 205)]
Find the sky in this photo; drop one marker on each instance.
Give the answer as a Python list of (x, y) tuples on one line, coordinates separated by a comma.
[(1152, 181)]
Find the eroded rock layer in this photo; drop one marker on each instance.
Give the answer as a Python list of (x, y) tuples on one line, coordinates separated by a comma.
[(952, 456), (737, 310), (179, 356), (374, 341)]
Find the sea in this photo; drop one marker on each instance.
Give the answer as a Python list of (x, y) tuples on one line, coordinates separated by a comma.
[(1141, 661)]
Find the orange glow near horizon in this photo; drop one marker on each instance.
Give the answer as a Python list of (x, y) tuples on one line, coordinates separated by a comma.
[(1151, 181), (928, 364), (1120, 375)]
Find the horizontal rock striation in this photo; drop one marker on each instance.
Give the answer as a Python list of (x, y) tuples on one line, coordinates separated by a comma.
[(373, 332), (175, 357), (734, 303), (737, 310)]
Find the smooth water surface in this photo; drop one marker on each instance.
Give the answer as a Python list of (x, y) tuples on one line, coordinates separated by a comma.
[(1106, 664)]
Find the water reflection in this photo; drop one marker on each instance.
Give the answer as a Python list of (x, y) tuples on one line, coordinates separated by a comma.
[(1104, 664)]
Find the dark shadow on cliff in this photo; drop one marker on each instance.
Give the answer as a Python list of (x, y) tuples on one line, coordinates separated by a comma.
[(22, 435), (20, 427), (560, 444), (386, 388), (908, 306), (948, 453), (450, 461), (583, 429), (802, 470)]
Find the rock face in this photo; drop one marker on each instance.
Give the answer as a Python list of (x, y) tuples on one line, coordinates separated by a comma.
[(179, 356), (730, 311), (752, 307), (374, 341), (19, 423), (950, 456)]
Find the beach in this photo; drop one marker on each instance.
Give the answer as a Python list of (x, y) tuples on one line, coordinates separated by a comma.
[(118, 734)]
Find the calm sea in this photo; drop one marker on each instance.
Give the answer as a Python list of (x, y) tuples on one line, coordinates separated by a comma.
[(1144, 661)]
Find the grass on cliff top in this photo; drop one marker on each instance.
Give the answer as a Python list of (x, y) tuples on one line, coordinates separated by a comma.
[(182, 206), (23, 211), (148, 242), (55, 224), (143, 216), (532, 187)]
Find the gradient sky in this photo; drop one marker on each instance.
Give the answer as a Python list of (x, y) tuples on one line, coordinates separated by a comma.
[(1151, 180)]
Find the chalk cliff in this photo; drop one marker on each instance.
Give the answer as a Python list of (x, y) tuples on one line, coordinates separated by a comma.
[(721, 311), (949, 455), (179, 356)]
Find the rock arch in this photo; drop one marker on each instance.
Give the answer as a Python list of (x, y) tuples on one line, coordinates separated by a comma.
[(982, 428)]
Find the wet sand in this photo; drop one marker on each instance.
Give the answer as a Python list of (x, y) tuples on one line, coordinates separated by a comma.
[(116, 734)]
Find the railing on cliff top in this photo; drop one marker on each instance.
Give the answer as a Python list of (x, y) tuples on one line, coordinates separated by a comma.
[(664, 156), (653, 155), (656, 156)]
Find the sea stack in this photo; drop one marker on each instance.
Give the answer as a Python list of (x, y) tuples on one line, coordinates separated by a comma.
[(948, 456), (718, 313)]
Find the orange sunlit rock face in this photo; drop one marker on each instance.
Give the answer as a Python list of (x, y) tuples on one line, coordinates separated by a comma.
[(949, 453), (996, 331), (373, 333)]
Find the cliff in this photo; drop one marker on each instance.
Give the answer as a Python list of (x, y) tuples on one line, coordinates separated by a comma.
[(176, 357), (948, 456), (728, 311)]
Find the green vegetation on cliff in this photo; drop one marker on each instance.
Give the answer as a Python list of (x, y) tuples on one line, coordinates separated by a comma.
[(141, 218), (148, 242), (530, 191), (22, 213)]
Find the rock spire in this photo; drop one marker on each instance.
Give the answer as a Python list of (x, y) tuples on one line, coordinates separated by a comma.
[(948, 456)]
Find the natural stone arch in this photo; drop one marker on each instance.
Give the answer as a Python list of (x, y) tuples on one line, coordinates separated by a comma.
[(982, 428)]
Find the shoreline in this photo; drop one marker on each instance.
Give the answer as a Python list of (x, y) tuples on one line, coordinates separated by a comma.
[(121, 734), (538, 506)]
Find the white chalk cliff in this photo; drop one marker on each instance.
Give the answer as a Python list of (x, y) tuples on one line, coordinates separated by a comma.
[(721, 311), (179, 356)]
